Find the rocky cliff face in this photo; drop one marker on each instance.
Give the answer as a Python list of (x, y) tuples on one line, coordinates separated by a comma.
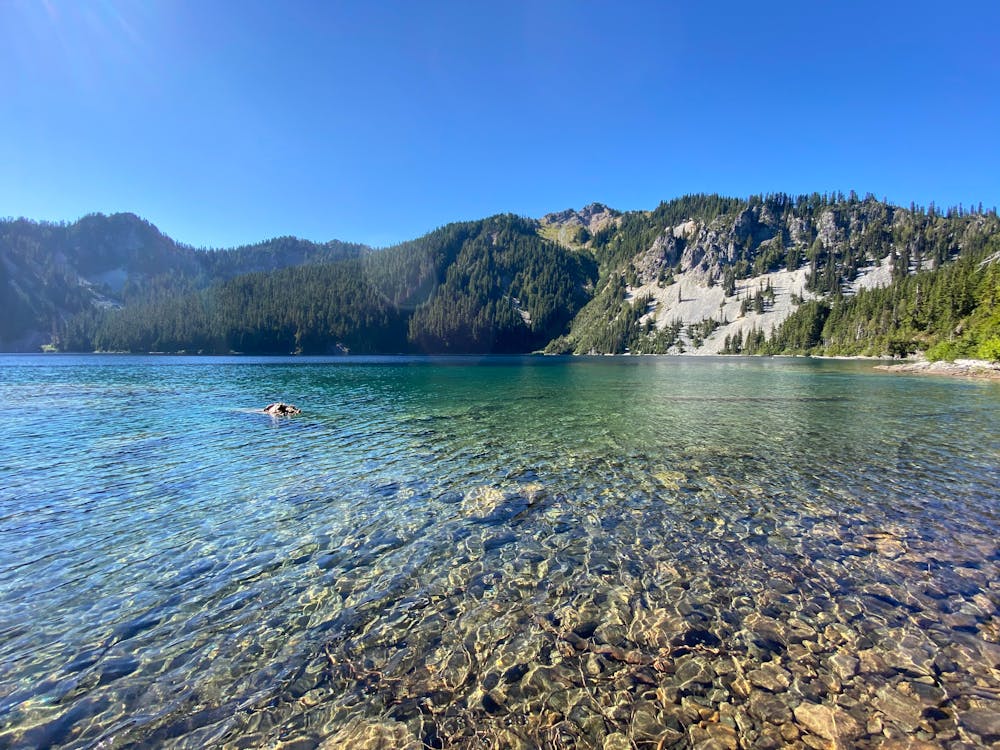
[(593, 217), (575, 229), (704, 270), (707, 248)]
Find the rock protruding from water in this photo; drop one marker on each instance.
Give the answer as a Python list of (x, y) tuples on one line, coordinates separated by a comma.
[(281, 409)]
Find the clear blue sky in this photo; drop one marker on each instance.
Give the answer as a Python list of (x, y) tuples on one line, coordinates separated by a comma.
[(231, 122)]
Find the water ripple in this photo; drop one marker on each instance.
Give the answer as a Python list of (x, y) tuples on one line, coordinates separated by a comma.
[(510, 553)]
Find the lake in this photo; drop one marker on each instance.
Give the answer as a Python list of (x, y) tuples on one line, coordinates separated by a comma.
[(496, 552)]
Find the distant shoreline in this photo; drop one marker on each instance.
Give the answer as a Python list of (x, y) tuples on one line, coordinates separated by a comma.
[(976, 369)]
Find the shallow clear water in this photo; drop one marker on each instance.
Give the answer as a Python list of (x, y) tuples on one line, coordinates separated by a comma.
[(522, 552)]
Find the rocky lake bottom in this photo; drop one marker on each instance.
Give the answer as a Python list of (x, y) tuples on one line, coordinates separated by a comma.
[(497, 553)]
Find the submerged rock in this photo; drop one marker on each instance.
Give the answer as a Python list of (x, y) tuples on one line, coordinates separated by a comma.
[(766, 706), (617, 741), (902, 710), (373, 735), (844, 665), (281, 409), (770, 676), (710, 736), (829, 723), (483, 502), (983, 721)]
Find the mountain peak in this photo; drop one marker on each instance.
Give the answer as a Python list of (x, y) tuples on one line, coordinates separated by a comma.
[(593, 217)]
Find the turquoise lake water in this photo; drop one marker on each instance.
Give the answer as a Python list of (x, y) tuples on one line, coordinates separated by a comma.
[(501, 552)]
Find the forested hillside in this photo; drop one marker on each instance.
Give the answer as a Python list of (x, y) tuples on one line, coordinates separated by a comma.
[(948, 313), (51, 272), (507, 291), (702, 274), (487, 286), (309, 309)]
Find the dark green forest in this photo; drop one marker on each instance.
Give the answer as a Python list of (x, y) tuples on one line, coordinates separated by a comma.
[(487, 286), (948, 313), (320, 309)]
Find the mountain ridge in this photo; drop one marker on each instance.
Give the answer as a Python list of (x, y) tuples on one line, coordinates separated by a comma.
[(702, 273)]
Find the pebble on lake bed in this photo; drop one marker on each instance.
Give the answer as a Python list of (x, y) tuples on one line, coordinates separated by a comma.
[(281, 409)]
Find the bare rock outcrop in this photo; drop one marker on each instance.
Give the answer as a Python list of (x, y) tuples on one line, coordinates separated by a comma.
[(962, 368)]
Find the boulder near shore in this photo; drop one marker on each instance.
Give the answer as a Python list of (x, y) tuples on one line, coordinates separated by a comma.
[(281, 409)]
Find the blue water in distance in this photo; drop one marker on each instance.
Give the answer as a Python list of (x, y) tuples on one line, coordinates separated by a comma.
[(530, 550)]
